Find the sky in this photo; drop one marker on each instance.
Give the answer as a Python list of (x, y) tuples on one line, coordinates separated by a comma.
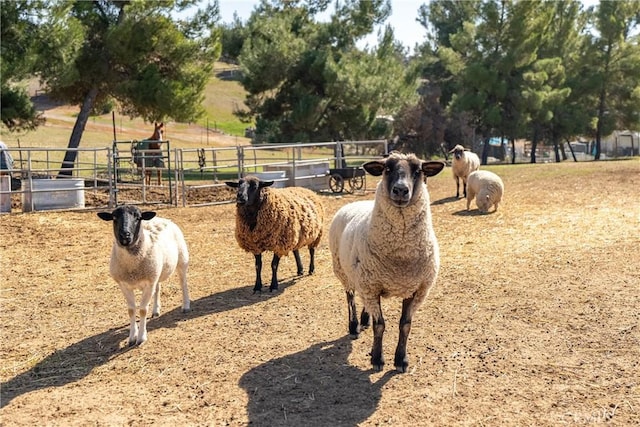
[(403, 19)]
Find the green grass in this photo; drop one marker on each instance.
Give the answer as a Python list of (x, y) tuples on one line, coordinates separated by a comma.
[(221, 98)]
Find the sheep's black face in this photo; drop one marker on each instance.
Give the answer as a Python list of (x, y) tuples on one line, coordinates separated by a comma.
[(402, 176), (127, 221), (458, 153), (248, 190)]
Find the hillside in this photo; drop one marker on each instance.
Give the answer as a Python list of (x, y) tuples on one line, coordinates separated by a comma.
[(222, 96)]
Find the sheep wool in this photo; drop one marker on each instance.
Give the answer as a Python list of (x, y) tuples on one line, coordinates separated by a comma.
[(387, 247), (277, 220), (288, 219), (487, 187), (463, 163), (146, 251)]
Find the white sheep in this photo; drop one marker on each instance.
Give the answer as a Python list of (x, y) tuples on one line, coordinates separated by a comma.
[(279, 220), (146, 250), (463, 163), (487, 187), (387, 247)]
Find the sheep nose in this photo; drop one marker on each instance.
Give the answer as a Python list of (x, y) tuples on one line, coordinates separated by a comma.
[(400, 190), (125, 236)]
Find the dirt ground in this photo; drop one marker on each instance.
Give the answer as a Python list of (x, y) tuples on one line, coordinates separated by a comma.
[(534, 320)]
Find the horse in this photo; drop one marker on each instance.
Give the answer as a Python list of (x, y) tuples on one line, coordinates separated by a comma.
[(153, 159)]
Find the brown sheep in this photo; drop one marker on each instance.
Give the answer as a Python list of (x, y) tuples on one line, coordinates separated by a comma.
[(278, 220)]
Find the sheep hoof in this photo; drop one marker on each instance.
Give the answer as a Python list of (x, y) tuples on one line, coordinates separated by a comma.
[(155, 315), (354, 336), (186, 310), (273, 288), (377, 366), (402, 367), (377, 363), (300, 272)]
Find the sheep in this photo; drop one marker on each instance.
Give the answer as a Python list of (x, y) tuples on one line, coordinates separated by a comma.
[(487, 187), (387, 247), (278, 220), (146, 250), (464, 162)]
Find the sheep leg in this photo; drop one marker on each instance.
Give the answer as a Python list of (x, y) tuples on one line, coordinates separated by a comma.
[(296, 255), (312, 265), (401, 361), (457, 187), (156, 301), (131, 309), (147, 294), (274, 272), (364, 319), (377, 360), (464, 186), (186, 302), (470, 196), (258, 286), (353, 315)]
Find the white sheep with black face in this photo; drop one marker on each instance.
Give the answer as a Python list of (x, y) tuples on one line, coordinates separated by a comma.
[(387, 247), (463, 163), (146, 251)]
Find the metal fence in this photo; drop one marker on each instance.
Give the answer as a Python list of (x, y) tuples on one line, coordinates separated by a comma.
[(105, 177)]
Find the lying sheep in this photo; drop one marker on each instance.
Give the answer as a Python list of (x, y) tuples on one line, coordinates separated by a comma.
[(487, 187), (146, 251), (278, 220), (464, 162), (387, 247)]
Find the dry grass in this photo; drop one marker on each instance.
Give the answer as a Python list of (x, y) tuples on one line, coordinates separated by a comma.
[(534, 320), (221, 97)]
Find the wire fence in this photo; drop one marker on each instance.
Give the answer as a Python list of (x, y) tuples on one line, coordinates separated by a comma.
[(129, 172)]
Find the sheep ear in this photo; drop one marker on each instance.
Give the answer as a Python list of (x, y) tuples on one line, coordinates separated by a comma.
[(148, 215), (106, 216), (432, 168), (266, 184), (452, 150), (374, 167), (232, 184)]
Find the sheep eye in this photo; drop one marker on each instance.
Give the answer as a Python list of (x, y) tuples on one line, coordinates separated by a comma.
[(387, 169)]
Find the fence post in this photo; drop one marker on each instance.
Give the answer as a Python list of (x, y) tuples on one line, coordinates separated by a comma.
[(240, 155), (111, 175), (293, 165)]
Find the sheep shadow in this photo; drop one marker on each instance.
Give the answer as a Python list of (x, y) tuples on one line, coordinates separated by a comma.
[(472, 212), (78, 360), (314, 387), (445, 200)]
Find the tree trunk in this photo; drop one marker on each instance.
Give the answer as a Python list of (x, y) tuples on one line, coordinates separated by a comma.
[(485, 151), (513, 151), (66, 168), (556, 150), (572, 152), (534, 145)]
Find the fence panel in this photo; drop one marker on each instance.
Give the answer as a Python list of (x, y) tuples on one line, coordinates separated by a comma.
[(38, 183), (124, 172)]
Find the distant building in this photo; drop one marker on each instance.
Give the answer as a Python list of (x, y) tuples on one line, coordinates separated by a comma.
[(621, 143)]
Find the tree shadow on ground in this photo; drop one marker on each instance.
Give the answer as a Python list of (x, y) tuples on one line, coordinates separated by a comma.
[(314, 387), (76, 361)]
